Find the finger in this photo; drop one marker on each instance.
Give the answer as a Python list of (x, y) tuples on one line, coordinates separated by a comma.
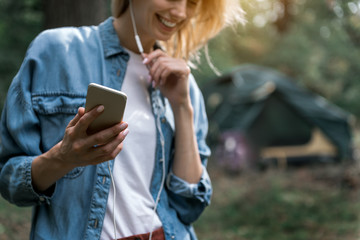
[(153, 56), (103, 158), (144, 56), (79, 114), (111, 149), (161, 66), (156, 73), (188, 70), (81, 111), (106, 135), (164, 77), (88, 117)]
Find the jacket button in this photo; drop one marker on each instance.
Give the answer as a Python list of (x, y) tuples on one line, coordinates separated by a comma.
[(118, 72), (163, 120)]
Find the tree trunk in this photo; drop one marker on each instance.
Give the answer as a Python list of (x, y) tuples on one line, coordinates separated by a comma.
[(59, 13), (282, 23)]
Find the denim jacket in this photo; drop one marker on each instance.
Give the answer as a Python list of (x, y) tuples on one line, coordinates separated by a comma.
[(44, 96)]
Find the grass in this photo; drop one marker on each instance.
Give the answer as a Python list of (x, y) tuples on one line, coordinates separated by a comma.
[(14, 221), (314, 202)]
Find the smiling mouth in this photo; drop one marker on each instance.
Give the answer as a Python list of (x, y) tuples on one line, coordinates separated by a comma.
[(166, 22)]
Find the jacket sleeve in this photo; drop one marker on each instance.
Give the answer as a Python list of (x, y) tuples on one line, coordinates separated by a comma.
[(20, 138), (191, 199)]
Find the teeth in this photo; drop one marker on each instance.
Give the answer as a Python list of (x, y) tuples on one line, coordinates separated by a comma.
[(167, 23)]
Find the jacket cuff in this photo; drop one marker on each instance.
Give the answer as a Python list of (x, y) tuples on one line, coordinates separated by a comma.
[(40, 198), (201, 190)]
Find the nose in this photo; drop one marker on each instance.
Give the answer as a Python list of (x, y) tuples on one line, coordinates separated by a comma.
[(179, 11)]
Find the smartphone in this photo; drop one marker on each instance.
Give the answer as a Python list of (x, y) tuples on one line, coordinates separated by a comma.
[(114, 103)]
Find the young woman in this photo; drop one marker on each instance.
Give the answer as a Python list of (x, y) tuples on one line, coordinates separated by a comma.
[(159, 184)]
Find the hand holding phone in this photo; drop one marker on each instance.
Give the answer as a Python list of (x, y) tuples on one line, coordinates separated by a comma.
[(114, 103)]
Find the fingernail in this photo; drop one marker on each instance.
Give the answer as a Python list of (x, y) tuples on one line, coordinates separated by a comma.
[(153, 84), (149, 78), (100, 108), (145, 61), (125, 132)]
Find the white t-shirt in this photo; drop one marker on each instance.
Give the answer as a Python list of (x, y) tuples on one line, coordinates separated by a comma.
[(133, 167)]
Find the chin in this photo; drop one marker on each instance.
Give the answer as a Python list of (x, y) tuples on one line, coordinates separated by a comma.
[(164, 37)]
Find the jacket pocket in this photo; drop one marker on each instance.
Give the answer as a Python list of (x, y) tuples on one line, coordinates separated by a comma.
[(57, 103), (55, 110)]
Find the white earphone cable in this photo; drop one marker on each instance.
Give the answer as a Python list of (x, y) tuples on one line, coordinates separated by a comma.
[(162, 141), (114, 198), (158, 124), (137, 38), (138, 43)]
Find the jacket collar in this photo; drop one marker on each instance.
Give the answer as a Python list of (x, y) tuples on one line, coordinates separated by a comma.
[(109, 39)]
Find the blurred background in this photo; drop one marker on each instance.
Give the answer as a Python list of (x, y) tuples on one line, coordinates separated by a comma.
[(282, 99)]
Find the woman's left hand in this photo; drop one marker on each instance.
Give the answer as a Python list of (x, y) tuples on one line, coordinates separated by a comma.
[(171, 75)]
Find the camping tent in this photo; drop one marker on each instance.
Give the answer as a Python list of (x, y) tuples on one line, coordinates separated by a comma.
[(278, 118)]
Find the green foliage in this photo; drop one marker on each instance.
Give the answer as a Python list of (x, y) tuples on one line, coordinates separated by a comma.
[(320, 46), (20, 22)]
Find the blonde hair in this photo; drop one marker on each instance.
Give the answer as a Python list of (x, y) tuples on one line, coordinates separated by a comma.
[(209, 18)]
